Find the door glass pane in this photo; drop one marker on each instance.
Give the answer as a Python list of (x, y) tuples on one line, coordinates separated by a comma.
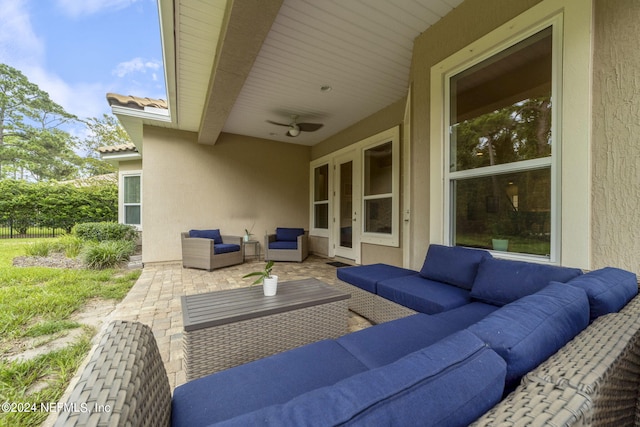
[(377, 215), (378, 170), (346, 204), (515, 207), (500, 109), (132, 189)]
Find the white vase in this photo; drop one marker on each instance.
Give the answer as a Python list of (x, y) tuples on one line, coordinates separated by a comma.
[(270, 285)]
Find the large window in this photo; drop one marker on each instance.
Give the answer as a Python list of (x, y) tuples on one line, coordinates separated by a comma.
[(501, 148), (131, 197)]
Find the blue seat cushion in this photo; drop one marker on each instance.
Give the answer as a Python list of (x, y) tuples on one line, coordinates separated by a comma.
[(207, 234), (501, 281), (450, 383), (283, 244), (528, 331), (387, 342), (225, 248), (454, 265), (423, 295), (609, 289), (275, 379), (464, 316), (288, 234), (367, 276)]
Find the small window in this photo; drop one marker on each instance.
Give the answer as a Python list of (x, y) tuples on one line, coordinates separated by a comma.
[(380, 191), (132, 199), (321, 197)]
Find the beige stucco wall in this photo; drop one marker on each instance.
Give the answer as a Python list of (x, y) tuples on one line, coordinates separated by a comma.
[(616, 135), (239, 183), (130, 166)]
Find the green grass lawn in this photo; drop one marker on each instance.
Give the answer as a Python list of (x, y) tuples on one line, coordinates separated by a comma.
[(37, 303)]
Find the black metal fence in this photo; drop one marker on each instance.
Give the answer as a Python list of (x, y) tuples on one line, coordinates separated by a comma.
[(29, 229)]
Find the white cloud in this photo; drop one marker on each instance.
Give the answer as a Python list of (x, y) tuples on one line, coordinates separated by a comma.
[(76, 8), (136, 65), (19, 44)]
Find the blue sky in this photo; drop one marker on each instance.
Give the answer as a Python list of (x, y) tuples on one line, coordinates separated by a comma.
[(78, 50)]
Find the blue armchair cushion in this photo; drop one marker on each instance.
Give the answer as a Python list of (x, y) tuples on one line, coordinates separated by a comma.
[(367, 276), (501, 281), (450, 383), (609, 289), (454, 265), (283, 244), (423, 295), (288, 234), (225, 248), (207, 234), (528, 331), (264, 382)]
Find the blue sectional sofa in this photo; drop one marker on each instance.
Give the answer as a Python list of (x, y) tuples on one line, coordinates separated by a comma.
[(475, 326)]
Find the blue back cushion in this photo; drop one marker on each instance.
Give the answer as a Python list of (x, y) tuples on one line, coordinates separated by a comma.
[(207, 234), (528, 331), (501, 281), (288, 234), (609, 289), (450, 383), (225, 248), (454, 265)]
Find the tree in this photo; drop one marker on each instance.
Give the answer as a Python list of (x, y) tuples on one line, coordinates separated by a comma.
[(32, 143), (106, 131)]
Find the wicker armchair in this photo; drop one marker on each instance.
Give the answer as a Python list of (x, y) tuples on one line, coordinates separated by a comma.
[(287, 244), (199, 252)]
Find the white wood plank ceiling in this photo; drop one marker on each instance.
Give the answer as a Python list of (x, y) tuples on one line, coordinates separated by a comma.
[(362, 49)]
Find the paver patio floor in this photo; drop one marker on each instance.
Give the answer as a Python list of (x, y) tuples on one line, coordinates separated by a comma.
[(155, 299)]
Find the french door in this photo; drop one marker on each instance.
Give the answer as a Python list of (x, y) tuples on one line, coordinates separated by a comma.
[(347, 200)]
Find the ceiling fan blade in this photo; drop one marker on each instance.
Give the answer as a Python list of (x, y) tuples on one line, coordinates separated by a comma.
[(309, 127), (279, 124)]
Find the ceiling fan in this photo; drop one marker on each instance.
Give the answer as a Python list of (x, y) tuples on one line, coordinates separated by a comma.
[(295, 128)]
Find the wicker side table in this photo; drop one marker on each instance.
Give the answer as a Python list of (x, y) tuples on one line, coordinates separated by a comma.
[(228, 328)]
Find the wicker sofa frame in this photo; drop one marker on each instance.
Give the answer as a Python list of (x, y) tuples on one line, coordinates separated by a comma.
[(198, 253), (592, 381)]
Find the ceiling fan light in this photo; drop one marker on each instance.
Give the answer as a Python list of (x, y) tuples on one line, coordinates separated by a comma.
[(294, 130)]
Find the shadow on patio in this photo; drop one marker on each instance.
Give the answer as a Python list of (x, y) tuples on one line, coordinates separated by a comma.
[(155, 299)]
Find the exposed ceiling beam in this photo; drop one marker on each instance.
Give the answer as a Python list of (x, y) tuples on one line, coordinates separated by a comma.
[(247, 24)]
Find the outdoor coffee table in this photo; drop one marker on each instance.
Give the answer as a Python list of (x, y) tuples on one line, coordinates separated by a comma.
[(227, 328)]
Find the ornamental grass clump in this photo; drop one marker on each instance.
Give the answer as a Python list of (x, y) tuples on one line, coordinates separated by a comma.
[(107, 254)]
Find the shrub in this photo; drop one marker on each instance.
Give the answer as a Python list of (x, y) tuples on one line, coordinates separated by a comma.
[(103, 231), (70, 245), (40, 248), (108, 253)]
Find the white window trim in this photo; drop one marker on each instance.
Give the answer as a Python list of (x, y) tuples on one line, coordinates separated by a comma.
[(389, 135), (313, 231), (121, 204), (572, 228)]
